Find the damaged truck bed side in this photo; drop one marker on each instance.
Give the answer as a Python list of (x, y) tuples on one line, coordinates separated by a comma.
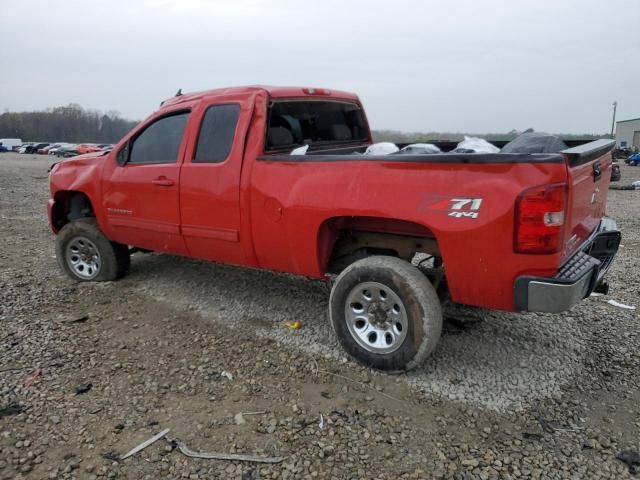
[(210, 176)]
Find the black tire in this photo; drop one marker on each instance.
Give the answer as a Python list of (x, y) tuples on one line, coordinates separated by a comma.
[(114, 257), (123, 258), (422, 312)]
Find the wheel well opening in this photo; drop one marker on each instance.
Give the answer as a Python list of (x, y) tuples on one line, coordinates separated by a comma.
[(345, 240), (69, 206)]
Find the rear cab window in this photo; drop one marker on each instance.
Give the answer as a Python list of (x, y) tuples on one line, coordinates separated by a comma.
[(217, 130), (317, 123)]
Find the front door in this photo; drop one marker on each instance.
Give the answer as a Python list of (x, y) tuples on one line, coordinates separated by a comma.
[(141, 188)]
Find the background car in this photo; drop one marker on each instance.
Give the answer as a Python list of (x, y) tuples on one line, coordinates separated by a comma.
[(67, 151), (633, 160), (87, 148), (54, 148), (25, 146), (33, 147), (45, 150)]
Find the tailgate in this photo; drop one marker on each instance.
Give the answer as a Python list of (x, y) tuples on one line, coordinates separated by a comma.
[(589, 175)]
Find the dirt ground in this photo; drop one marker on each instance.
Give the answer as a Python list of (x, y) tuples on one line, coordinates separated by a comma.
[(189, 346)]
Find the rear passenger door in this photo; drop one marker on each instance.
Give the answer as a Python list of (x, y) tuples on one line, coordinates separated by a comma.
[(210, 179)]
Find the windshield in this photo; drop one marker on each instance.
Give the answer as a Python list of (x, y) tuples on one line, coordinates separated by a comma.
[(303, 122)]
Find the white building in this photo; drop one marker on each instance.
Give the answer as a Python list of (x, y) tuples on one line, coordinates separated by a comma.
[(9, 143), (628, 133)]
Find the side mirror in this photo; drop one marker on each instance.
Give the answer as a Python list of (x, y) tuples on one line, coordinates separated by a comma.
[(122, 157)]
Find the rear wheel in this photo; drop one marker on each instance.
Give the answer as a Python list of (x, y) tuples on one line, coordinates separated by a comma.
[(386, 313), (85, 254)]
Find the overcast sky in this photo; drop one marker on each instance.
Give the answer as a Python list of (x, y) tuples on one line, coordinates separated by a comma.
[(454, 65)]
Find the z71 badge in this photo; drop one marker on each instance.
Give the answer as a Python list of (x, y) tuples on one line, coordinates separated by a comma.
[(457, 207)]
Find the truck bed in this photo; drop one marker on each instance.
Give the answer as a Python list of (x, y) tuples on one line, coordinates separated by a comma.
[(314, 188)]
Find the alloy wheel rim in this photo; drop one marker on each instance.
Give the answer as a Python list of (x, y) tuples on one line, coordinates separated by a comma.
[(376, 317), (83, 258)]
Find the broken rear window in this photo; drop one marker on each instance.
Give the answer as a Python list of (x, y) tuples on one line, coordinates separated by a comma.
[(298, 122)]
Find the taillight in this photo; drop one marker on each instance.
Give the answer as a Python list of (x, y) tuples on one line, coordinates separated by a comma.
[(539, 220)]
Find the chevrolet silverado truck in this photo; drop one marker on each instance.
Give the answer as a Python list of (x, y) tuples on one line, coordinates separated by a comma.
[(213, 176)]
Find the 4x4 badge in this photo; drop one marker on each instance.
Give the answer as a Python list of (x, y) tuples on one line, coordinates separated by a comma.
[(457, 207)]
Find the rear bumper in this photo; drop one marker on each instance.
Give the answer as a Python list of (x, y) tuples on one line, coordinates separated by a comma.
[(576, 279)]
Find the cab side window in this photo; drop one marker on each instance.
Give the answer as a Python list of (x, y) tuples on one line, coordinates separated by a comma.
[(216, 133), (160, 141)]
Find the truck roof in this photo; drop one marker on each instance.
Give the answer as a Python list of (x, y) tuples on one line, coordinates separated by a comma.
[(273, 91)]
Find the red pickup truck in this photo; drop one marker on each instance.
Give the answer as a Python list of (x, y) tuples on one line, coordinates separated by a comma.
[(211, 175)]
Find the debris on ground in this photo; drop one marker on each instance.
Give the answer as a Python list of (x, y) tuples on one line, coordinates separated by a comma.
[(261, 412), (226, 375), (83, 388), (631, 458), (239, 419), (633, 186), (33, 378), (621, 305), (11, 409), (145, 444), (297, 325), (111, 455), (81, 319), (622, 187), (231, 457), (545, 424)]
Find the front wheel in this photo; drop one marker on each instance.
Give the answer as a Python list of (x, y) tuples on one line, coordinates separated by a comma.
[(85, 254), (386, 313)]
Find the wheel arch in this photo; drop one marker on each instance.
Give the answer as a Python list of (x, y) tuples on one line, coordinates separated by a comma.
[(341, 236), (70, 205)]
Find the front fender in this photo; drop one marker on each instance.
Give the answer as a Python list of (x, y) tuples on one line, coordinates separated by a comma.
[(50, 205), (79, 174)]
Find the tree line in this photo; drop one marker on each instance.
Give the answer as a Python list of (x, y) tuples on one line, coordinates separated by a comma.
[(70, 123)]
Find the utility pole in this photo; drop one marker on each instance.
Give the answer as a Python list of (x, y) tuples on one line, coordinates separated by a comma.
[(613, 122)]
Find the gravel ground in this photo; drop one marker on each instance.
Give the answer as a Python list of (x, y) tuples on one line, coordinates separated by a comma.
[(513, 396)]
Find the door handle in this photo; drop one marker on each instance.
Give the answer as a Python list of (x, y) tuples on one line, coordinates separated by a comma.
[(162, 182)]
